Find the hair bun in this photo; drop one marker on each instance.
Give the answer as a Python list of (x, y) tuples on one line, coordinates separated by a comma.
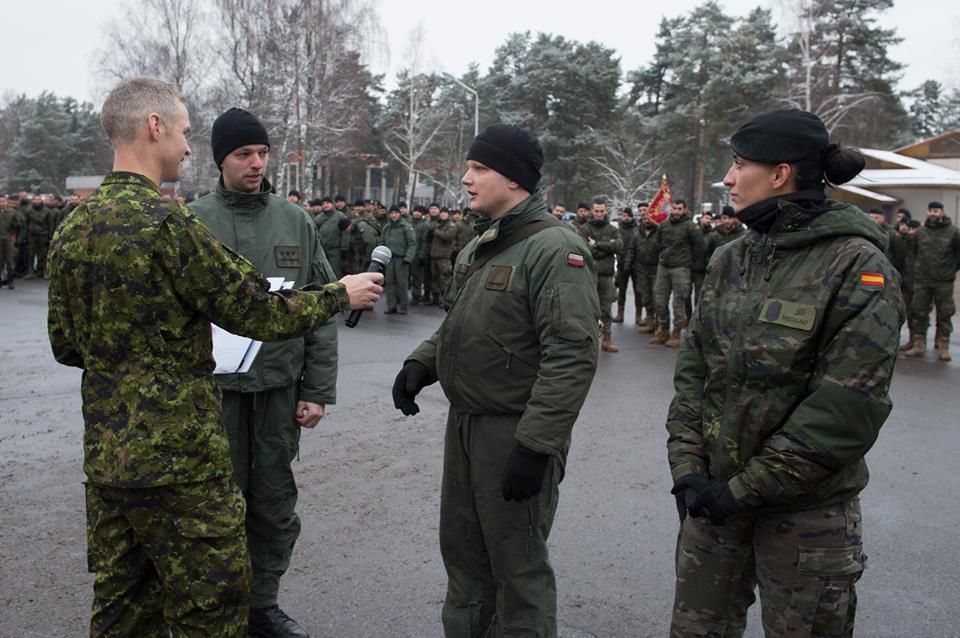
[(840, 165)]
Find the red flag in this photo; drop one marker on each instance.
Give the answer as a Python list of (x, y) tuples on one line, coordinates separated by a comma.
[(662, 202)]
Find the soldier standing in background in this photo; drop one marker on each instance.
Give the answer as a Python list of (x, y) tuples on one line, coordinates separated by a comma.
[(441, 247), (10, 225), (331, 223), (516, 371), (641, 261), (937, 259), (559, 211), (23, 242), (421, 228), (399, 237), (896, 248), (605, 243), (909, 228), (727, 230), (583, 216), (135, 281), (38, 237), (628, 232), (464, 233), (701, 256), (678, 240)]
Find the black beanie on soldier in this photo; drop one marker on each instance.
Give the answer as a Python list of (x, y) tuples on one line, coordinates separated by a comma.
[(234, 129), (511, 151), (781, 137)]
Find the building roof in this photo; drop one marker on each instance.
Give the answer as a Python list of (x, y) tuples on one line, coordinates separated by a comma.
[(888, 169), (862, 192), (946, 145)]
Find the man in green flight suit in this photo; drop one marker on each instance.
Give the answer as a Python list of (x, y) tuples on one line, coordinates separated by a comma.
[(135, 281), (515, 355), (291, 382)]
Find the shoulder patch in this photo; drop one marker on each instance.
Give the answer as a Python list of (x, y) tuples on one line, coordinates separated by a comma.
[(872, 279), (576, 260)]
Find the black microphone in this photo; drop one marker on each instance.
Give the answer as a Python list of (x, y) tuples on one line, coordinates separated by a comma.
[(378, 262)]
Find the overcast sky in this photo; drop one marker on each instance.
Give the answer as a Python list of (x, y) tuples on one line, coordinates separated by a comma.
[(50, 44)]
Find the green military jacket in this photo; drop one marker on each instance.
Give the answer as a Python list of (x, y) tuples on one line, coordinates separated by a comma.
[(782, 384), (721, 237), (134, 283), (421, 230), (331, 235), (444, 239), (937, 252), (280, 240), (679, 240), (520, 336), (399, 237), (464, 234), (701, 251), (10, 222), (368, 230), (38, 221), (608, 245), (628, 234), (643, 254)]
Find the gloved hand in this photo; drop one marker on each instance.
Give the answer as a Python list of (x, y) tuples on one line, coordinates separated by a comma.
[(687, 489), (716, 502), (412, 378), (522, 476)]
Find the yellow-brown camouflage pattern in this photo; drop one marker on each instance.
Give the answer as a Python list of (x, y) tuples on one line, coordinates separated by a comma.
[(135, 282), (782, 383)]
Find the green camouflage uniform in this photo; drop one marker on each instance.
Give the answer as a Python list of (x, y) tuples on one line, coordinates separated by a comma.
[(399, 237), (134, 283), (678, 240), (464, 235), (10, 225), (331, 238), (641, 261), (937, 259), (441, 247), (628, 234), (421, 261), (259, 406), (781, 389), (38, 238), (515, 356), (604, 251)]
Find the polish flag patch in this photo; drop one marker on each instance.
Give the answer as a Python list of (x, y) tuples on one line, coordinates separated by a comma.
[(575, 259), (871, 279)]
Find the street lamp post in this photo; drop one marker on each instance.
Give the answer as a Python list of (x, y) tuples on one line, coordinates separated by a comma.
[(476, 103)]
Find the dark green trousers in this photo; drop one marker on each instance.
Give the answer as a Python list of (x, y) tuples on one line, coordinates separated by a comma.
[(264, 440), (168, 558), (395, 280), (925, 298), (500, 582)]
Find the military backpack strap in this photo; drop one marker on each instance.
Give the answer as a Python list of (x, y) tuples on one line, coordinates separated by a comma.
[(495, 248)]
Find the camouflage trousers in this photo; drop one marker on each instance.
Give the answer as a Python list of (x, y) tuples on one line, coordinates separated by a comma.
[(440, 277), (499, 578), (806, 564), (264, 441), (643, 282), (608, 294), (925, 297), (395, 281), (624, 281), (38, 251), (677, 281), (168, 560)]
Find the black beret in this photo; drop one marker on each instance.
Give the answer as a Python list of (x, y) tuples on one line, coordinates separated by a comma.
[(783, 136)]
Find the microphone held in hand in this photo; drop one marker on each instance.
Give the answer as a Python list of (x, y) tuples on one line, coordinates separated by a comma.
[(378, 263)]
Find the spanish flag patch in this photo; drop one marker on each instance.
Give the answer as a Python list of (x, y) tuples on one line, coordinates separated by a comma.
[(871, 279), (575, 259)]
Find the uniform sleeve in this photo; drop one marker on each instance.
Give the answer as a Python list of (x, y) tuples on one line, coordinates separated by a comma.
[(63, 337), (685, 449), (411, 244), (847, 398), (226, 289), (566, 312), (320, 357)]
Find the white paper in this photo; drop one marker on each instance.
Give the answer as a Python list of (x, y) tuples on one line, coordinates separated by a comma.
[(236, 354)]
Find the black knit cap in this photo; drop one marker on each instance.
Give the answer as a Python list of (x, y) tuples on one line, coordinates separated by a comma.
[(781, 137), (234, 129), (513, 152)]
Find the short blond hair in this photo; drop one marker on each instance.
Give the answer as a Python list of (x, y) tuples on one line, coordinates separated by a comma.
[(131, 101)]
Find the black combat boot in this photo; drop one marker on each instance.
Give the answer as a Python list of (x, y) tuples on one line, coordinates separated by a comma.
[(272, 622)]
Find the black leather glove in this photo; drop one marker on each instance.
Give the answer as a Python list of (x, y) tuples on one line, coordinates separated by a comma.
[(412, 378), (687, 489), (522, 476), (716, 502)]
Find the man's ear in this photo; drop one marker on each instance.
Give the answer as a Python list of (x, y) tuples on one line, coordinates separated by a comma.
[(154, 123)]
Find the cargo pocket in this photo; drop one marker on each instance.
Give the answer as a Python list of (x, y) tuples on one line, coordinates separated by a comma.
[(824, 599)]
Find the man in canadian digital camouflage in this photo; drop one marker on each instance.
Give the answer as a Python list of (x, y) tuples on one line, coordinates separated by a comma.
[(515, 356), (135, 280)]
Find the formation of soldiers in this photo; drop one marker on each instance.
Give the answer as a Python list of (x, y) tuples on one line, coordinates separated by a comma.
[(27, 223), (424, 243)]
